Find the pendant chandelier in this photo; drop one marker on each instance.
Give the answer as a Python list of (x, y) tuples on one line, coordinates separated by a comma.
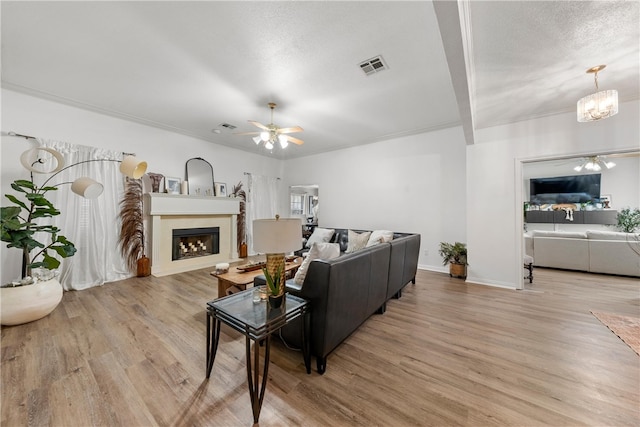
[(599, 105)]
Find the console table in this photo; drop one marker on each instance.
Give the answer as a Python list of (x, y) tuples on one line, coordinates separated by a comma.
[(604, 216), (256, 321)]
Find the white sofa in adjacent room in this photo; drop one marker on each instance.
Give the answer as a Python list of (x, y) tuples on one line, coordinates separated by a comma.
[(607, 252)]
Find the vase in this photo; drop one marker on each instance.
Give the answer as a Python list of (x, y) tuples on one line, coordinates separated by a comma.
[(22, 304), (275, 301), (457, 270), (143, 267)]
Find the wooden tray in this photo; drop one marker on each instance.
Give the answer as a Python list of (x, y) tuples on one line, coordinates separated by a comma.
[(251, 267)]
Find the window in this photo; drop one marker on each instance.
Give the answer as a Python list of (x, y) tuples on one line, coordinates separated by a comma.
[(297, 204)]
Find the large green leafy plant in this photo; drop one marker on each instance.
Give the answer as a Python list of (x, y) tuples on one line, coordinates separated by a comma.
[(21, 228)]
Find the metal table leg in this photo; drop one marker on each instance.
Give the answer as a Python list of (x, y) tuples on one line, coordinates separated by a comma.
[(256, 390), (306, 344), (213, 337)]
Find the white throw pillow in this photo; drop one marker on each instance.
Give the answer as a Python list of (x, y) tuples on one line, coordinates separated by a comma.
[(380, 236), (320, 235), (357, 241), (325, 251)]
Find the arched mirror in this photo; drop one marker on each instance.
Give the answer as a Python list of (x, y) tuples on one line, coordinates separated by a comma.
[(200, 177)]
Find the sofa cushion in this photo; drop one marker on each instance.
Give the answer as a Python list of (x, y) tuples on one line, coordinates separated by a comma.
[(357, 241), (325, 251), (611, 235), (563, 234), (380, 236), (320, 235)]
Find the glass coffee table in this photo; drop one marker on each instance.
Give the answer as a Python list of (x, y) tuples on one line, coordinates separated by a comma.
[(256, 321)]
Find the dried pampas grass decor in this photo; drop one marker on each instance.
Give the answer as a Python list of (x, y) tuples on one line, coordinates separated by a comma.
[(240, 194), (131, 238)]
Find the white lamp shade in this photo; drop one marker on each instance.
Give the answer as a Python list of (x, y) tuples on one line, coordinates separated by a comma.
[(268, 145), (87, 187), (264, 136), (132, 167), (274, 236), (283, 141), (42, 160), (257, 139)]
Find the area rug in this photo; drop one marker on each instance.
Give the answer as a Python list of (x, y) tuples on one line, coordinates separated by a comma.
[(625, 327)]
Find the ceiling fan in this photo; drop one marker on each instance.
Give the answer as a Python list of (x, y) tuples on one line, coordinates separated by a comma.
[(271, 133), (596, 163)]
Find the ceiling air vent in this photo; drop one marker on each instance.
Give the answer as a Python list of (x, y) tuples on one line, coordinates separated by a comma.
[(373, 65), (228, 126)]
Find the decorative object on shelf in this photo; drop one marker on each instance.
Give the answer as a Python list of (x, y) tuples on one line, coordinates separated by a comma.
[(20, 223), (131, 238), (456, 256), (156, 179), (606, 201), (172, 185), (628, 220), (275, 237), (239, 193), (184, 187), (599, 105), (199, 175), (221, 189), (272, 134)]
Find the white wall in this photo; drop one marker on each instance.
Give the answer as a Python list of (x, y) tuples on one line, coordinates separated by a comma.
[(164, 151), (411, 184), (494, 181)]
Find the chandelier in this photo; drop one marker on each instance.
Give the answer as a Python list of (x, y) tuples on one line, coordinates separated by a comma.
[(599, 105), (594, 164)]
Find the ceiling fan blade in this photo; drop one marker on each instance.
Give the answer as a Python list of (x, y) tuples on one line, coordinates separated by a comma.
[(614, 155), (246, 133), (290, 130), (294, 140), (258, 124)]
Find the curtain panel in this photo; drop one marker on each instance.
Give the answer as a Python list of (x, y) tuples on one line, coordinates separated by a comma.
[(262, 202), (92, 225)]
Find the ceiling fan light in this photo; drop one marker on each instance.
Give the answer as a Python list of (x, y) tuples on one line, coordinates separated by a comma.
[(578, 168), (264, 136), (283, 141), (609, 165), (257, 140), (268, 145)]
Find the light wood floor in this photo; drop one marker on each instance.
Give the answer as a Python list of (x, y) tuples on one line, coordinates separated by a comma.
[(132, 353)]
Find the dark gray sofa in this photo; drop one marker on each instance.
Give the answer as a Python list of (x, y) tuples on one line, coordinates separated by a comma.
[(345, 291)]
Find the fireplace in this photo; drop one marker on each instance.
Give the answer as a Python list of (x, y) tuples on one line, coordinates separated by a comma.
[(195, 242), (168, 212)]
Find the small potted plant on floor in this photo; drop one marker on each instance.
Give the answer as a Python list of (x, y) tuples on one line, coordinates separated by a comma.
[(628, 220), (456, 256)]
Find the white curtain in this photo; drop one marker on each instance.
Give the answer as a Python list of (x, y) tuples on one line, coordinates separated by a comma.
[(93, 225), (262, 202)]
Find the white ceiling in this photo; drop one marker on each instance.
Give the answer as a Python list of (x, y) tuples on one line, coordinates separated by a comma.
[(190, 66)]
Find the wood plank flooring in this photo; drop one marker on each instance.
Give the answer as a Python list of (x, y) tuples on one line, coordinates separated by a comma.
[(132, 353)]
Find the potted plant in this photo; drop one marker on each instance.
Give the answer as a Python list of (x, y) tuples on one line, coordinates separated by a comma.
[(456, 256), (273, 286), (628, 220), (21, 229)]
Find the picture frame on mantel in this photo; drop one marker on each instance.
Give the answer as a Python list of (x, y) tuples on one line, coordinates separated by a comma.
[(605, 199), (221, 189), (172, 185)]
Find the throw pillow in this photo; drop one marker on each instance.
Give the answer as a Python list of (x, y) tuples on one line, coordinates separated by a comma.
[(357, 241), (320, 235), (325, 251), (380, 236)]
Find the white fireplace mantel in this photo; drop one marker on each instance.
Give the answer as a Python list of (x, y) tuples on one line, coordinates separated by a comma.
[(172, 211)]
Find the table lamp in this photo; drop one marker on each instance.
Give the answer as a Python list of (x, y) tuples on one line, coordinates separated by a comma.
[(275, 237)]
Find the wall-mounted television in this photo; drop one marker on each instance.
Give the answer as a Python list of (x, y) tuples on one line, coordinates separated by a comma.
[(565, 189)]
